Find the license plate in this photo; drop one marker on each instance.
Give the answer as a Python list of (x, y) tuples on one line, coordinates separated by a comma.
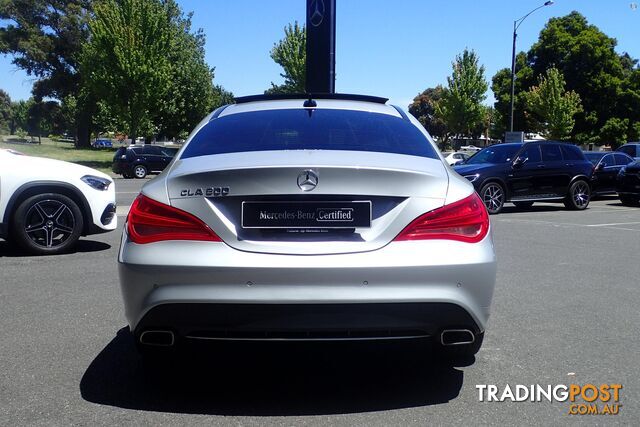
[(306, 214)]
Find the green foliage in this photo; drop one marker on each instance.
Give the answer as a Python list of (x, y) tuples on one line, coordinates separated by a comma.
[(146, 69), (221, 97), (45, 37), (460, 107), (501, 87), (190, 95), (125, 62), (43, 118), (423, 108), (20, 115), (607, 83), (614, 132), (5, 111), (553, 108), (290, 53)]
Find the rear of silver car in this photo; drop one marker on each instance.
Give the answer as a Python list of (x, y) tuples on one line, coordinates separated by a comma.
[(312, 241)]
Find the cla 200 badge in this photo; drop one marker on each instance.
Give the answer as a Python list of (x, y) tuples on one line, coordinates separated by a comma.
[(207, 192)]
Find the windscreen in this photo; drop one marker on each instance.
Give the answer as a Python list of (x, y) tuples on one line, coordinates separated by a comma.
[(593, 157), (306, 129), (495, 154)]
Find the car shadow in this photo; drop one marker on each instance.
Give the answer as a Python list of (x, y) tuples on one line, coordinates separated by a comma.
[(82, 246), (268, 379), (535, 208)]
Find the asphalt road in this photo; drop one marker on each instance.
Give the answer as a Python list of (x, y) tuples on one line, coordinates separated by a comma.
[(565, 311)]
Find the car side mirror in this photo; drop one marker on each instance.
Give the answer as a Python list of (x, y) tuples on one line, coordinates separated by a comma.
[(600, 166)]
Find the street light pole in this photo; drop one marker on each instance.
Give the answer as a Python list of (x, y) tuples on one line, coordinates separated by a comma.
[(516, 25)]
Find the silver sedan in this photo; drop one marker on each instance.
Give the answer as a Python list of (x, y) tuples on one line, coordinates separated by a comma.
[(308, 219)]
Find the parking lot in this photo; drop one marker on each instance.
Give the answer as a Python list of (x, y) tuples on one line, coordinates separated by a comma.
[(565, 311)]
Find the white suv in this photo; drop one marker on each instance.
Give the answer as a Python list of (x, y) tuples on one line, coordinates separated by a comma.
[(46, 205)]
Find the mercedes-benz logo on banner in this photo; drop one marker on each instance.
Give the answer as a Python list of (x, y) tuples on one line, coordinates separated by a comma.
[(307, 180), (316, 12)]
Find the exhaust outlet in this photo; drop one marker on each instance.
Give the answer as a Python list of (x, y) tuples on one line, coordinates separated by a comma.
[(158, 338), (457, 337)]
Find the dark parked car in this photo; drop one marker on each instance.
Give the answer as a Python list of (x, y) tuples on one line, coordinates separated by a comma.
[(139, 160), (628, 184), (102, 143), (632, 149), (606, 166), (523, 173)]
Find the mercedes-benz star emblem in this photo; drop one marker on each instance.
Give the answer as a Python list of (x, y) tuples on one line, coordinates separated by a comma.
[(307, 180), (316, 12)]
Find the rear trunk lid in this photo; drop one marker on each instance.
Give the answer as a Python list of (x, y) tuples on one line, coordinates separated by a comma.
[(354, 201)]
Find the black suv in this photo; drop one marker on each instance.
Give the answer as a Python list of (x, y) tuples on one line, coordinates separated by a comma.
[(139, 160), (523, 173)]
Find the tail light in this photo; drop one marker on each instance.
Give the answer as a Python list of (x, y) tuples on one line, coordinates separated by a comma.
[(466, 220), (150, 221)]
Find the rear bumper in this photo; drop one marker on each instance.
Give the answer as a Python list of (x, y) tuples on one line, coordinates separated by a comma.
[(628, 184), (195, 286), (306, 321), (121, 168)]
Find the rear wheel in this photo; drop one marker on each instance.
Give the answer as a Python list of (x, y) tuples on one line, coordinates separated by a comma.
[(629, 200), (523, 205), (579, 196), (139, 171), (493, 197), (47, 223)]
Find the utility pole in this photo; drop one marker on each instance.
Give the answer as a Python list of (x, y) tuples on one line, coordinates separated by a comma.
[(321, 46)]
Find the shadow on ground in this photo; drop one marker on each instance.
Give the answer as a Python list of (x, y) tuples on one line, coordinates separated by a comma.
[(82, 246), (273, 378), (535, 208)]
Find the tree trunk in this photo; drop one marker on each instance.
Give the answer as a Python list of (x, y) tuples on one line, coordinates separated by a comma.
[(83, 133)]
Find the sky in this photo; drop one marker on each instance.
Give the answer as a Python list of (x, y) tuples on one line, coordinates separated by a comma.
[(394, 49)]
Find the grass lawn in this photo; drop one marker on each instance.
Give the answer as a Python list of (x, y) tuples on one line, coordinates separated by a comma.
[(100, 159)]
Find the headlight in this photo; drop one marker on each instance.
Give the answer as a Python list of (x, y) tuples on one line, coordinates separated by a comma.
[(96, 182), (472, 178)]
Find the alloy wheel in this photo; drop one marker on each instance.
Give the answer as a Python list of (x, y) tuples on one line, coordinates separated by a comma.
[(49, 223), (493, 197), (581, 194), (140, 172)]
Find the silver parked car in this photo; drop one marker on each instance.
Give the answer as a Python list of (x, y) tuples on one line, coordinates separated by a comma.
[(308, 219)]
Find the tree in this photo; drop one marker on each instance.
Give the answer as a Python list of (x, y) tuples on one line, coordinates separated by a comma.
[(423, 108), (553, 108), (222, 97), (20, 114), (190, 95), (587, 59), (460, 107), (45, 37), (5, 111), (126, 64), (290, 54), (501, 87), (614, 132), (44, 119)]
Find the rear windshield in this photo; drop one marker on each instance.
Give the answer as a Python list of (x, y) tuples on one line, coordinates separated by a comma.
[(299, 129)]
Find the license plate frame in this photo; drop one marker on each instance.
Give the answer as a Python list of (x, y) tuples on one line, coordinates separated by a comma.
[(306, 214)]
